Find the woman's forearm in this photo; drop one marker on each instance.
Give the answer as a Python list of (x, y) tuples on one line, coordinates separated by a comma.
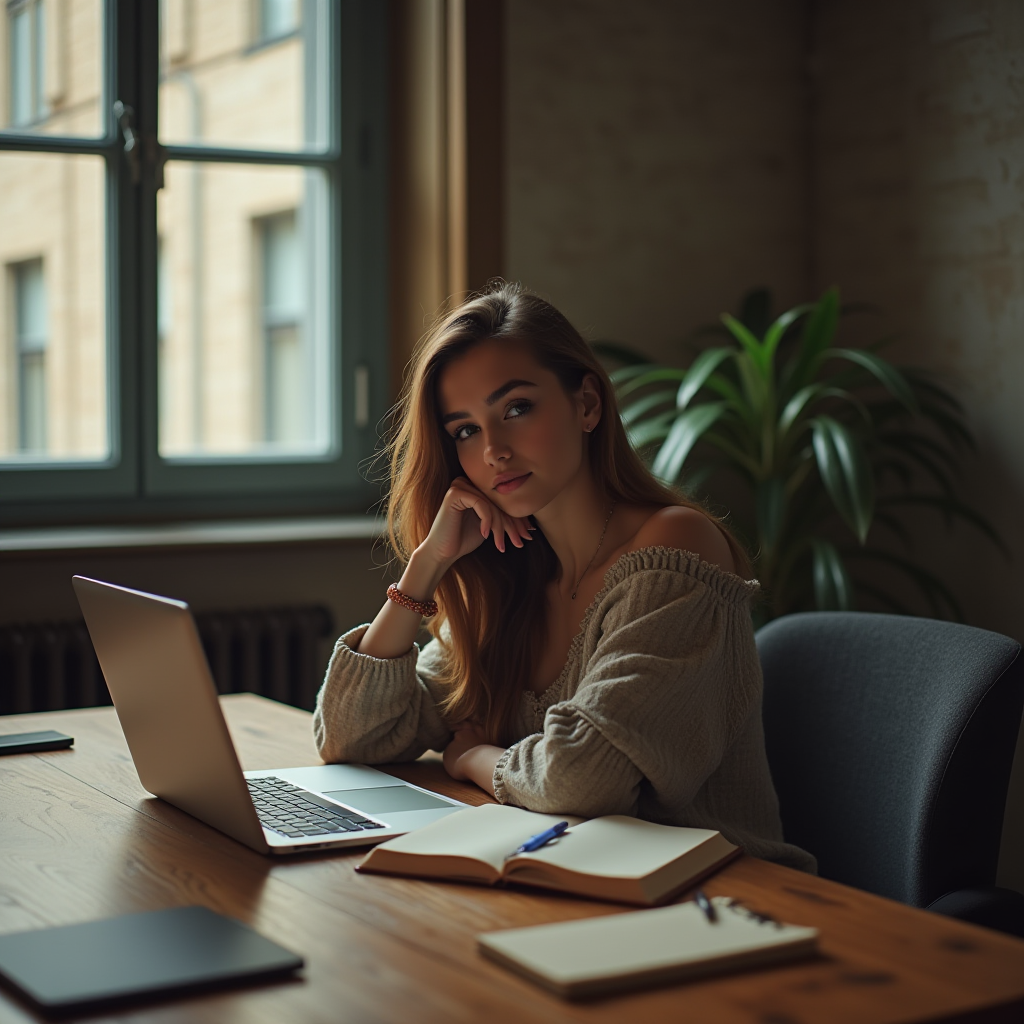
[(394, 629), (478, 764)]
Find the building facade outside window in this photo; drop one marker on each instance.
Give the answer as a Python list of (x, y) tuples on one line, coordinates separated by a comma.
[(26, 48), (30, 332)]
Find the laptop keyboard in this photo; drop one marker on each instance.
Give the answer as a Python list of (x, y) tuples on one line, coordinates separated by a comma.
[(296, 812)]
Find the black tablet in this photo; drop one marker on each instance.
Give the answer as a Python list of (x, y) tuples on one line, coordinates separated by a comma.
[(137, 957)]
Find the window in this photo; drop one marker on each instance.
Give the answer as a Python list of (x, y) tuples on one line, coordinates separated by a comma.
[(30, 345), (27, 61), (194, 231)]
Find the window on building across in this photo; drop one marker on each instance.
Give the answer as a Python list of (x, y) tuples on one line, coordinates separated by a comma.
[(30, 339), (27, 61), (287, 366)]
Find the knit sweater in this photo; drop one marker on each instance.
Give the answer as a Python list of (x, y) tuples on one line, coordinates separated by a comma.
[(656, 713)]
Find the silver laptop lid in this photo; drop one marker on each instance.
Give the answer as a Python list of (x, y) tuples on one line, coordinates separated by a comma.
[(165, 698)]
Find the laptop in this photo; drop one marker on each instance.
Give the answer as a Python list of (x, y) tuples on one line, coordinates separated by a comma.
[(159, 679)]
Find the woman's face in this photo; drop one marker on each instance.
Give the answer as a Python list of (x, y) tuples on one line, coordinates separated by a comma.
[(519, 436)]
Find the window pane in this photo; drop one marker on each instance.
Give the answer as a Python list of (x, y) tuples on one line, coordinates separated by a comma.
[(51, 67), (53, 346), (247, 73), (243, 311)]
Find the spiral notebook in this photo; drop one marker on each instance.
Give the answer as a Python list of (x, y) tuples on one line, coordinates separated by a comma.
[(595, 956)]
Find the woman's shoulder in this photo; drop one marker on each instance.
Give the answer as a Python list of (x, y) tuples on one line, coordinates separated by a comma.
[(685, 529)]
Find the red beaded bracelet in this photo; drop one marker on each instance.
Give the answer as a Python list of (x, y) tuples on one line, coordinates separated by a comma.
[(428, 609)]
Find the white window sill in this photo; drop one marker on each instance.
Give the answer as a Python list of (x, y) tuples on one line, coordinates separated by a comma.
[(213, 534)]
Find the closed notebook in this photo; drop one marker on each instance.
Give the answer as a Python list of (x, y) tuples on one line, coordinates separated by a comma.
[(576, 959), (612, 858)]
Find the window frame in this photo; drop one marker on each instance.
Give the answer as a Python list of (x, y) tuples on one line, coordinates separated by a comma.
[(135, 482)]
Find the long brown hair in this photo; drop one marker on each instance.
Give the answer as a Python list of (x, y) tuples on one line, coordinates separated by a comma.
[(492, 602)]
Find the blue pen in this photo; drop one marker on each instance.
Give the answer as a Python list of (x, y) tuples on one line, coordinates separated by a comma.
[(540, 839)]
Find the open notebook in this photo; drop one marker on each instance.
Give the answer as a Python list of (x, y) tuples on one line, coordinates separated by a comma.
[(595, 956), (613, 858)]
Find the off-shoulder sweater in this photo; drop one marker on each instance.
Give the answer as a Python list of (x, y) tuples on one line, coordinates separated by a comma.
[(656, 713)]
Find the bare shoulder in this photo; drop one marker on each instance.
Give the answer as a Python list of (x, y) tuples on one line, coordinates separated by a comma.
[(689, 530)]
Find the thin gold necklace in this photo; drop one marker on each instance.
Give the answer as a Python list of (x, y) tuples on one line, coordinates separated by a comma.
[(604, 530)]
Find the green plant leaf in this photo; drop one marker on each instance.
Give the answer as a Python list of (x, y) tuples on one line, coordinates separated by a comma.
[(626, 373), (685, 433), (700, 370), (737, 401), (743, 335), (812, 393), (734, 452), (846, 473), (818, 334), (642, 434), (833, 589), (642, 406), (796, 405), (775, 333), (770, 510), (651, 375), (891, 379)]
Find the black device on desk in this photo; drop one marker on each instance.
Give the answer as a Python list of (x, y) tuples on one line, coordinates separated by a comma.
[(137, 957), (31, 742)]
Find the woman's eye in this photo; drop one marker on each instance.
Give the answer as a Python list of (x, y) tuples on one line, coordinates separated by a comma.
[(463, 432), (519, 407)]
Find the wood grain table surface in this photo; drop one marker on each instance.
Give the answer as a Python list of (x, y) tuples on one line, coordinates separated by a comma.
[(80, 839)]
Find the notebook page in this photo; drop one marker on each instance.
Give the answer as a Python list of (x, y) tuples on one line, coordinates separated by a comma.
[(638, 942), (618, 846), (488, 833)]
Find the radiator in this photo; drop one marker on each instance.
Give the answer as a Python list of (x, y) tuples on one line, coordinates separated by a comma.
[(276, 652)]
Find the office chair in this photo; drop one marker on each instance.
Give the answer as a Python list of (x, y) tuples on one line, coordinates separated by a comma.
[(890, 740)]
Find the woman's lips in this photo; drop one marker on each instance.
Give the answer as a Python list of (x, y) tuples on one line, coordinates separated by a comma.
[(507, 486)]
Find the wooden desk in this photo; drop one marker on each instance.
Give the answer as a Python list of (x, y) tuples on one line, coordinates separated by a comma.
[(80, 839)]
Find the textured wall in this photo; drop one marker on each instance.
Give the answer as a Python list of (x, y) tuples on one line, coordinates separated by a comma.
[(655, 159), (919, 208)]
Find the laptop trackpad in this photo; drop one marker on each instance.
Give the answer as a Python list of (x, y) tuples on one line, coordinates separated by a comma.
[(384, 799)]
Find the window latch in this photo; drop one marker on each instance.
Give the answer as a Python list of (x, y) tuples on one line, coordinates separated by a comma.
[(137, 147), (124, 116)]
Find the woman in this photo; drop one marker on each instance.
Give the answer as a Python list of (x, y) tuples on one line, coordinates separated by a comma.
[(593, 648)]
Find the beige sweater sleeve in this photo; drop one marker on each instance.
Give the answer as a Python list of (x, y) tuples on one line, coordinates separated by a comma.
[(376, 710), (666, 689)]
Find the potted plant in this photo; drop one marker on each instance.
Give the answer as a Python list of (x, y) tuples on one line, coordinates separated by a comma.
[(831, 445)]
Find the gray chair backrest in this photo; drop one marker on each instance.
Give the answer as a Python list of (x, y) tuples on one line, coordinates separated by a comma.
[(890, 741)]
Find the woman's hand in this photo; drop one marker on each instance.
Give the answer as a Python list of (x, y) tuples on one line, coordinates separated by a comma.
[(461, 525), (464, 521), (469, 757), (467, 736)]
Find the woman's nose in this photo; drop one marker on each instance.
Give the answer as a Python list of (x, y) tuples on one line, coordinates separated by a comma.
[(496, 450)]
